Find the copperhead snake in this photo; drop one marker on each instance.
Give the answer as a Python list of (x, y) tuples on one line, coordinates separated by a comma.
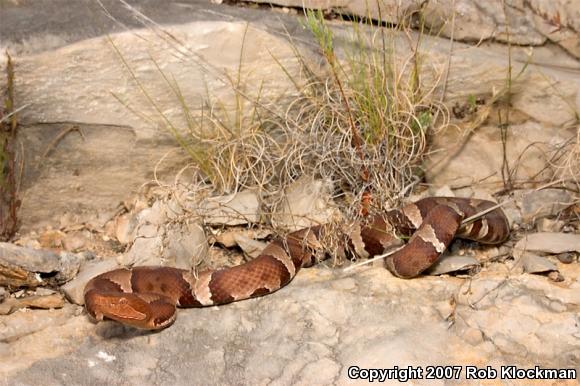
[(146, 297)]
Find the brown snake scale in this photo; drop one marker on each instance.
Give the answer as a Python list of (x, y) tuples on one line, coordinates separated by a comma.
[(146, 297)]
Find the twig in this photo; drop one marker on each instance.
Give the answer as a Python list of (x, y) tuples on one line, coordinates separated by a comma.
[(369, 261), (5, 117), (60, 136)]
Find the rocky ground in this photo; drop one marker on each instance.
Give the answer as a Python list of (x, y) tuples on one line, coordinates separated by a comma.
[(100, 190)]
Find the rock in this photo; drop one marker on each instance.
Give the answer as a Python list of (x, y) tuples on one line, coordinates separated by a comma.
[(144, 251), (51, 239), (477, 160), (153, 215), (96, 221), (29, 241), (75, 241), (174, 209), (452, 263), (473, 336), (125, 228), (25, 267), (530, 23), (109, 144), (533, 263), (513, 213), (375, 320), (232, 209), (548, 242), (25, 322), (251, 247), (549, 225), (567, 257), (529, 318), (542, 203), (499, 311), (74, 289), (558, 21), (10, 305), (2, 293), (185, 244), (227, 237), (41, 291), (109, 136), (556, 276), (149, 231), (306, 202), (174, 244)]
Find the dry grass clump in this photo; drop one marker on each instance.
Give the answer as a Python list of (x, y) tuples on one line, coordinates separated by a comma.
[(362, 124), (366, 125)]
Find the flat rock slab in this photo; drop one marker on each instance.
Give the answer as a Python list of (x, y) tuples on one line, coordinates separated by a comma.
[(27, 267), (30, 26), (530, 23), (311, 332), (550, 242)]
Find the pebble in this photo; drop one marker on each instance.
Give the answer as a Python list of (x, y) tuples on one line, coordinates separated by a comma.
[(533, 263), (567, 257), (453, 263), (542, 203)]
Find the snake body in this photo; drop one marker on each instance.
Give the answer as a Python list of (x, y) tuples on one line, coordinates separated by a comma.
[(147, 297)]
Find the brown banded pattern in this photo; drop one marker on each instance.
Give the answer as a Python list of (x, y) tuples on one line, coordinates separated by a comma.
[(146, 297)]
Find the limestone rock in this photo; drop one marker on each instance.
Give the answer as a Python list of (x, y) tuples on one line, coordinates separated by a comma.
[(329, 321), (156, 241), (25, 322), (364, 322), (533, 263), (75, 241), (251, 247), (185, 245), (227, 237), (549, 225), (119, 151), (452, 263), (537, 204), (549, 242), (480, 153), (524, 333), (567, 257), (125, 228), (26, 267), (10, 305), (306, 202), (74, 289), (528, 23), (104, 141), (144, 251), (232, 209)]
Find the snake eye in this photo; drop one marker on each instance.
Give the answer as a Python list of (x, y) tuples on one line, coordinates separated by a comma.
[(123, 301)]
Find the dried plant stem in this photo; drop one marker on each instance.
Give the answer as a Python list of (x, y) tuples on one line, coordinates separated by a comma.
[(9, 201)]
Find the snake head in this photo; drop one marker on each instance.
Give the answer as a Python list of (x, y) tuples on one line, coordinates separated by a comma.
[(144, 311)]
